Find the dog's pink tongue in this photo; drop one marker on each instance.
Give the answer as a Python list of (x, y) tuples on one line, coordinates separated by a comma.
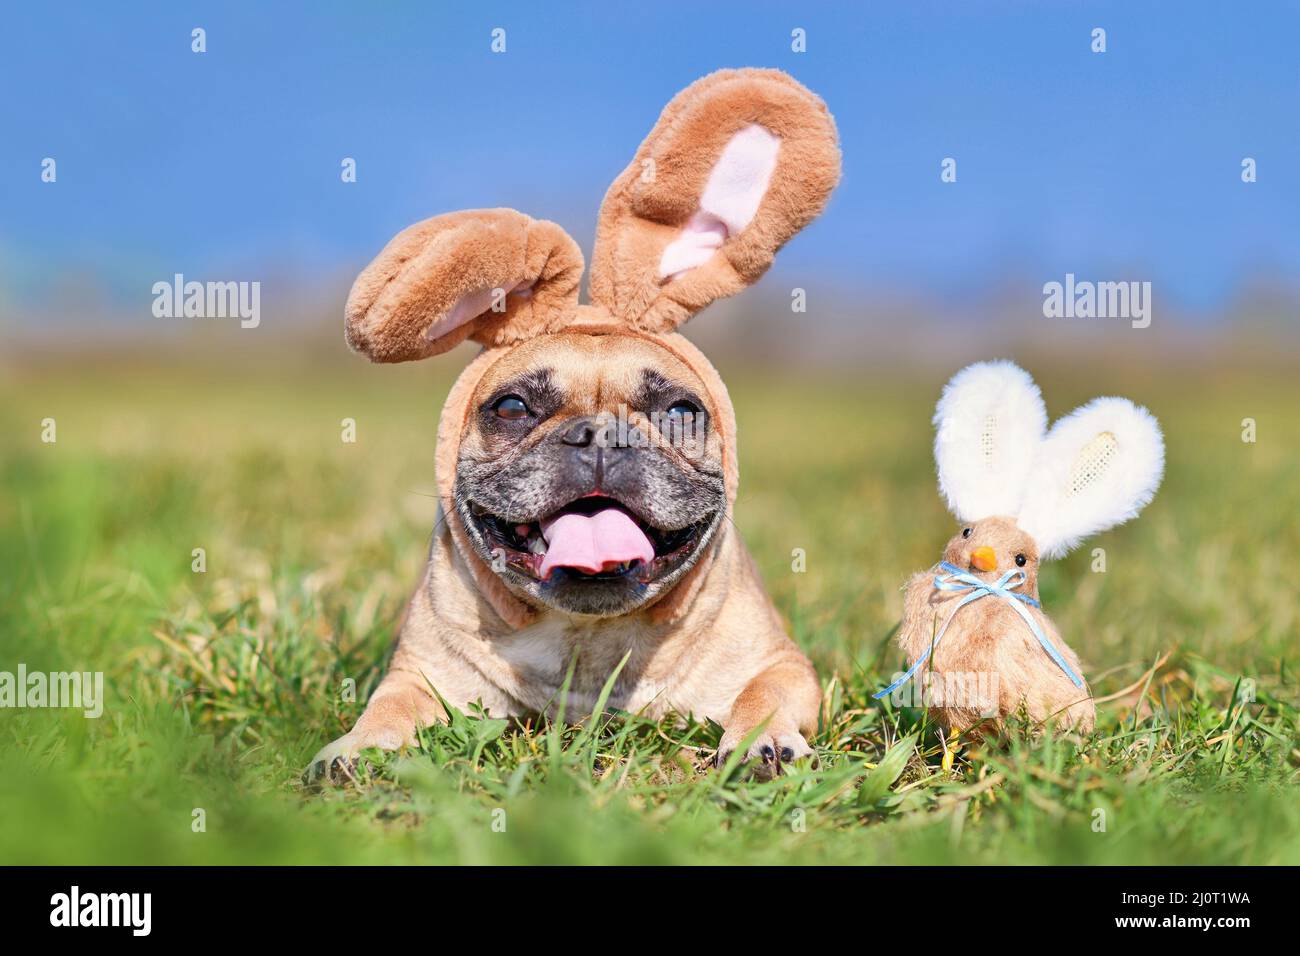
[(593, 543)]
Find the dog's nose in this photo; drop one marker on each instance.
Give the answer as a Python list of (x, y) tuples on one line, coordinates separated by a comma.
[(581, 433)]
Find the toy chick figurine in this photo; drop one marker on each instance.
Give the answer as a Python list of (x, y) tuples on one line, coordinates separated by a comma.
[(977, 639)]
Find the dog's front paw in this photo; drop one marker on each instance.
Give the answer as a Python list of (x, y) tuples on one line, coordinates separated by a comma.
[(769, 752), (336, 763)]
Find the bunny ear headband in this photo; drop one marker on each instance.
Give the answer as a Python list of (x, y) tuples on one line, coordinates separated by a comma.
[(1097, 467), (738, 163)]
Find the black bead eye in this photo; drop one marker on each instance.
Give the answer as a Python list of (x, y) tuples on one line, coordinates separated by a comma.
[(682, 409), (1020, 560), (511, 407), (965, 532)]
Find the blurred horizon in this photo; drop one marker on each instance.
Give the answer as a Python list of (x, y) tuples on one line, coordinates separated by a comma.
[(225, 165)]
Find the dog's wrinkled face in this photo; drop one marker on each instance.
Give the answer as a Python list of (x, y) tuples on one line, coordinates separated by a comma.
[(590, 473)]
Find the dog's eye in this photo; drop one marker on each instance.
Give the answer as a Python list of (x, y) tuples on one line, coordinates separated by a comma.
[(682, 409), (965, 532), (511, 407), (1020, 560)]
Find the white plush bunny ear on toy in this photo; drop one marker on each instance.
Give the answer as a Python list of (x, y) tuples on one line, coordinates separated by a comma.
[(1098, 467), (990, 423)]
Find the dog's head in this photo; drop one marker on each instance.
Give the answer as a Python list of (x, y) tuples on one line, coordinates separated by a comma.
[(585, 458), (589, 476)]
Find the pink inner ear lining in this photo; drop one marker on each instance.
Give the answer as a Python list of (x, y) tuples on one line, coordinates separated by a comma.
[(703, 236), (471, 307), (731, 197)]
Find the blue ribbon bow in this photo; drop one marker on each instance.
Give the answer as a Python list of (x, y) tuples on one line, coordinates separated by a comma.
[(958, 580)]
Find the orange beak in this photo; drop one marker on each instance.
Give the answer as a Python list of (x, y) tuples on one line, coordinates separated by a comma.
[(984, 559)]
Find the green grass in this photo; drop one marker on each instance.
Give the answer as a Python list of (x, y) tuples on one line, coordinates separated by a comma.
[(221, 685)]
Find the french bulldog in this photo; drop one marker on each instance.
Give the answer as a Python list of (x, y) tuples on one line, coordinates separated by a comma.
[(586, 459)]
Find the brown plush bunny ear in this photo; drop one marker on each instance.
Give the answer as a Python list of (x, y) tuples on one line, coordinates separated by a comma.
[(493, 275), (737, 164)]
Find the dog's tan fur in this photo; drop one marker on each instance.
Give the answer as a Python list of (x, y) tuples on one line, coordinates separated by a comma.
[(726, 657), (713, 645)]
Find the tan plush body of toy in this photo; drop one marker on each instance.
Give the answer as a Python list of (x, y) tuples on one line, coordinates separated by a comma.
[(978, 643)]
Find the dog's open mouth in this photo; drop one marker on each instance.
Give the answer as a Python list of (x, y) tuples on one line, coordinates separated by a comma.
[(593, 538)]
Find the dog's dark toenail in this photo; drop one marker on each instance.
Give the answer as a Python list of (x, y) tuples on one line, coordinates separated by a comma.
[(787, 754), (768, 753)]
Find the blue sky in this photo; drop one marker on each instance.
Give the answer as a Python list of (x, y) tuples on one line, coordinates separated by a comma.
[(1112, 166)]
